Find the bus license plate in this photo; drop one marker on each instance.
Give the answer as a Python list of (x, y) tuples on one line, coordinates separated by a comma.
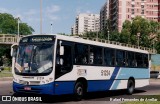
[(27, 88)]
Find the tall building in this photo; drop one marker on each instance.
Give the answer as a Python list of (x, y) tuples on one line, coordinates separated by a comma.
[(121, 10), (73, 30), (86, 23), (104, 15)]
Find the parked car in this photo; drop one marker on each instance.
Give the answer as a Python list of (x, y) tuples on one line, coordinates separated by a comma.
[(154, 74)]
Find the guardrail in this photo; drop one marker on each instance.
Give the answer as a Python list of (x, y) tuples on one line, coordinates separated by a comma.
[(8, 39), (152, 51)]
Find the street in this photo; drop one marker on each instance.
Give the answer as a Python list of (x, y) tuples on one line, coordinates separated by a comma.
[(91, 98)]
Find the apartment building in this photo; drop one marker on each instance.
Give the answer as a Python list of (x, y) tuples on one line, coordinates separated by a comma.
[(104, 15), (86, 22), (121, 10), (73, 30)]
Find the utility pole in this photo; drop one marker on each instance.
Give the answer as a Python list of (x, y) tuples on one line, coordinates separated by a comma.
[(51, 28), (18, 19), (40, 16)]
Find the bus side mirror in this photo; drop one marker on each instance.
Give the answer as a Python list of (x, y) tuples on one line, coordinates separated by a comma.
[(61, 50), (14, 50)]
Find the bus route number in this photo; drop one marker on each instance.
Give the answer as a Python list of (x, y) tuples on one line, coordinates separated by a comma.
[(105, 73)]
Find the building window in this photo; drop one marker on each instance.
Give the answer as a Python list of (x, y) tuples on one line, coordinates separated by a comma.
[(142, 12), (132, 11)]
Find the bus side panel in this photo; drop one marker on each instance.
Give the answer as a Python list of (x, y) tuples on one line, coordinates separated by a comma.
[(64, 87), (141, 76), (40, 89), (103, 85), (99, 85)]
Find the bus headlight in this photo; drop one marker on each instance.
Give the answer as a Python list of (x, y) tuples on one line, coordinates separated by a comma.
[(15, 80), (43, 82)]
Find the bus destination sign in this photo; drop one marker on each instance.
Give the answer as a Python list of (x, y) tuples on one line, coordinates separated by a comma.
[(37, 39), (41, 39)]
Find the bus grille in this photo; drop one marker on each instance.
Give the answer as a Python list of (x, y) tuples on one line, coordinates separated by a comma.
[(29, 82), (34, 91)]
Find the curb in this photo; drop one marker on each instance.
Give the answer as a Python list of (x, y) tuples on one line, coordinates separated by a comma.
[(6, 79)]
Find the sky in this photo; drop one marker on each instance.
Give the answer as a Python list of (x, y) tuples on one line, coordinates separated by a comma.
[(60, 13)]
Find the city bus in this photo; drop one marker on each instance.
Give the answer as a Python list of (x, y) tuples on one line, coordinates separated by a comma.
[(58, 64)]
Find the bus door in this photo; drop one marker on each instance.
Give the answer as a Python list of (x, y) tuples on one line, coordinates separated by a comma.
[(64, 65)]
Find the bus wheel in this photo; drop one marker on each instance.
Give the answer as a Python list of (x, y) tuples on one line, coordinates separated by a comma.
[(130, 87), (79, 91)]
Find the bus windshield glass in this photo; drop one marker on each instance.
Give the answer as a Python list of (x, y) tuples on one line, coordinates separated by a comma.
[(34, 59)]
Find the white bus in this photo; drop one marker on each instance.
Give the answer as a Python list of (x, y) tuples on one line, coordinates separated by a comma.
[(57, 64)]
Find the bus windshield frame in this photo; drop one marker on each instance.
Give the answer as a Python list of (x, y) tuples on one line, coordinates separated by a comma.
[(34, 58)]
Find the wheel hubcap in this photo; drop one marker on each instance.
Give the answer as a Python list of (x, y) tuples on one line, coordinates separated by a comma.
[(130, 87), (79, 90)]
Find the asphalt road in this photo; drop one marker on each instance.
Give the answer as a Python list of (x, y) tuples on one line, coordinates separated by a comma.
[(91, 98)]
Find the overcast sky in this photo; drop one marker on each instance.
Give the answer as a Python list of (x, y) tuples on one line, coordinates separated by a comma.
[(61, 13)]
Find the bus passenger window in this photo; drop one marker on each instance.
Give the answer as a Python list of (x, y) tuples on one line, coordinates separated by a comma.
[(145, 60), (81, 54), (95, 55), (109, 57), (139, 59), (120, 58)]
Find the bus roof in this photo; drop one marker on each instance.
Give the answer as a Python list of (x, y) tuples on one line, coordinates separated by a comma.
[(100, 42)]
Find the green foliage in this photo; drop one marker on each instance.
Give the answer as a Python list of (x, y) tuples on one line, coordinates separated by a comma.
[(8, 25), (147, 32)]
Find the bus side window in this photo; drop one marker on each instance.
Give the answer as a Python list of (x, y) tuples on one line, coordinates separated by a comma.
[(81, 54), (95, 55), (109, 57), (145, 60)]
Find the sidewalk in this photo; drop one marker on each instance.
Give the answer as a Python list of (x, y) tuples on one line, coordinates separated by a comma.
[(6, 79)]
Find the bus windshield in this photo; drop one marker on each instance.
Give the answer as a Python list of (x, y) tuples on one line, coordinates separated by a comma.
[(34, 59)]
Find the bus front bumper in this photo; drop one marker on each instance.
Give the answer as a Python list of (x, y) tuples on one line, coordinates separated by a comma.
[(47, 89)]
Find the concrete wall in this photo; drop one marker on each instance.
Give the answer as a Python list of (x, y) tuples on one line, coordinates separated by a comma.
[(155, 59)]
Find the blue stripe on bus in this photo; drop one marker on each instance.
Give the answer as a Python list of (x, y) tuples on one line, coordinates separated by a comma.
[(101, 85), (126, 73), (115, 84), (64, 87)]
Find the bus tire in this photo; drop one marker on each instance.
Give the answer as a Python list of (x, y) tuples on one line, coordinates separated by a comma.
[(79, 91), (130, 87)]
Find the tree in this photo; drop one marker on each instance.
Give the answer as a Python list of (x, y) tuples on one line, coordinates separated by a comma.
[(8, 25), (114, 36), (125, 36)]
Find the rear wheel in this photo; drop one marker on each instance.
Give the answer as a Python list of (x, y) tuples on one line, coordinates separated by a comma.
[(130, 87), (79, 91)]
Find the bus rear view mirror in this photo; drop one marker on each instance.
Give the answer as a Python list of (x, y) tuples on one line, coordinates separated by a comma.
[(14, 49)]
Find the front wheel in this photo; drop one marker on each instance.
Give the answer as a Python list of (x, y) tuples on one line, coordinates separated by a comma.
[(79, 91), (130, 87)]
